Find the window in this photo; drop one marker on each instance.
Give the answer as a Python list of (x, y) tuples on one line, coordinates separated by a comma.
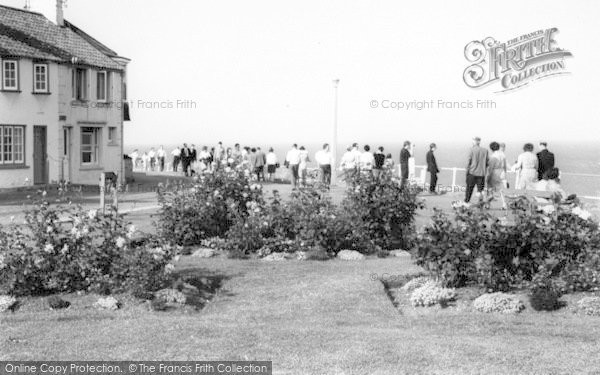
[(90, 145), (79, 84), (12, 145), (10, 75), (40, 78), (101, 86), (112, 134)]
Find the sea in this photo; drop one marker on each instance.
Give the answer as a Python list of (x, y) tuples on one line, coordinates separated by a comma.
[(579, 162)]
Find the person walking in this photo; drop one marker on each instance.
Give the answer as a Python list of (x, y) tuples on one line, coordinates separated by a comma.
[(262, 161), (545, 160), (432, 168), (526, 167), (152, 158), (496, 173), (303, 166), (135, 158), (160, 155), (272, 163), (476, 169), (292, 160), (186, 157), (404, 158), (176, 153), (379, 158), (324, 158), (348, 164), (367, 160)]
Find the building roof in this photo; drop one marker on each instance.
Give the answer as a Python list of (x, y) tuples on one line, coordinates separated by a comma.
[(29, 34)]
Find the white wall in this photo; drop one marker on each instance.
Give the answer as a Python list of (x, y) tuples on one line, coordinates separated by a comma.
[(25, 108), (92, 114)]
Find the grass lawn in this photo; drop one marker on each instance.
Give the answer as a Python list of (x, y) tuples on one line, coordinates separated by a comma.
[(308, 318)]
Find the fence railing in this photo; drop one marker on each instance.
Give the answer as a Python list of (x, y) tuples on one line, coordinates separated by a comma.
[(421, 178)]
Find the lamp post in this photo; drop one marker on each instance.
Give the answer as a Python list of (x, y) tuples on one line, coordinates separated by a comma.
[(334, 141)]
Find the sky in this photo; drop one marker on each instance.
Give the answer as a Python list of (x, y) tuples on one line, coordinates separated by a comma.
[(261, 71)]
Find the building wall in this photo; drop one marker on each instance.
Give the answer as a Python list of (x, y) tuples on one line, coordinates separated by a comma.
[(91, 113), (25, 108)]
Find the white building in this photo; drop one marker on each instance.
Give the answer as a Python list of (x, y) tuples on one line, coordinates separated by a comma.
[(62, 102)]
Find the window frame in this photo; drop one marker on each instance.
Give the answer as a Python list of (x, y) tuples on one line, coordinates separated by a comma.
[(17, 69), (105, 74), (46, 81), (94, 147), (17, 146), (75, 75)]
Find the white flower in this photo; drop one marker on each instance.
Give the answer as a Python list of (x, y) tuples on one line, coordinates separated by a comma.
[(49, 229), (49, 248), (92, 214), (12, 219), (548, 209), (227, 170), (169, 268), (131, 231), (583, 214), (431, 293), (65, 249), (120, 242), (2, 264), (467, 252), (216, 193), (44, 193)]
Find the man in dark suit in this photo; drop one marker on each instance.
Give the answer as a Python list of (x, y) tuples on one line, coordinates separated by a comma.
[(186, 158), (404, 157), (545, 160), (432, 168)]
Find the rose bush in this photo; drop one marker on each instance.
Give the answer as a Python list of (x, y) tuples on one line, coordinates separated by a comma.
[(383, 209), (192, 213), (476, 247), (64, 248)]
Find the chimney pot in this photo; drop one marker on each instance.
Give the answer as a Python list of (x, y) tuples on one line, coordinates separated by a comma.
[(60, 19)]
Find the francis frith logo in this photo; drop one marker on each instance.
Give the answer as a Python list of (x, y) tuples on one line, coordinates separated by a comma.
[(514, 63)]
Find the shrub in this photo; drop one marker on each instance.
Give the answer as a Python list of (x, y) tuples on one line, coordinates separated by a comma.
[(191, 213), (498, 302), (66, 249), (382, 208), (431, 293), (476, 247)]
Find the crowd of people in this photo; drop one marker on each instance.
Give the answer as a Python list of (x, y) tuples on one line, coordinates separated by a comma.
[(486, 169)]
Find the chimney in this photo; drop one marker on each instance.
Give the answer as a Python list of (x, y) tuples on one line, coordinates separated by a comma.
[(60, 19)]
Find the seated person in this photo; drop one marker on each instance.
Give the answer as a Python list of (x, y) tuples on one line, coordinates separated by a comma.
[(551, 184)]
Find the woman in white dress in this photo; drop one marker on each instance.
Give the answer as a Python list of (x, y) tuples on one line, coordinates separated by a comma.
[(526, 167)]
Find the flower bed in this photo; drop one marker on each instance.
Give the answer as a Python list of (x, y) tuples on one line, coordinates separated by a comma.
[(475, 247), (63, 248)]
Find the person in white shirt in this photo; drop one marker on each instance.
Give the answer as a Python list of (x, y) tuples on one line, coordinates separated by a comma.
[(145, 161), (348, 163), (292, 160), (135, 158), (272, 163), (367, 160), (324, 159), (160, 154), (303, 166), (356, 153), (152, 157), (176, 153)]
